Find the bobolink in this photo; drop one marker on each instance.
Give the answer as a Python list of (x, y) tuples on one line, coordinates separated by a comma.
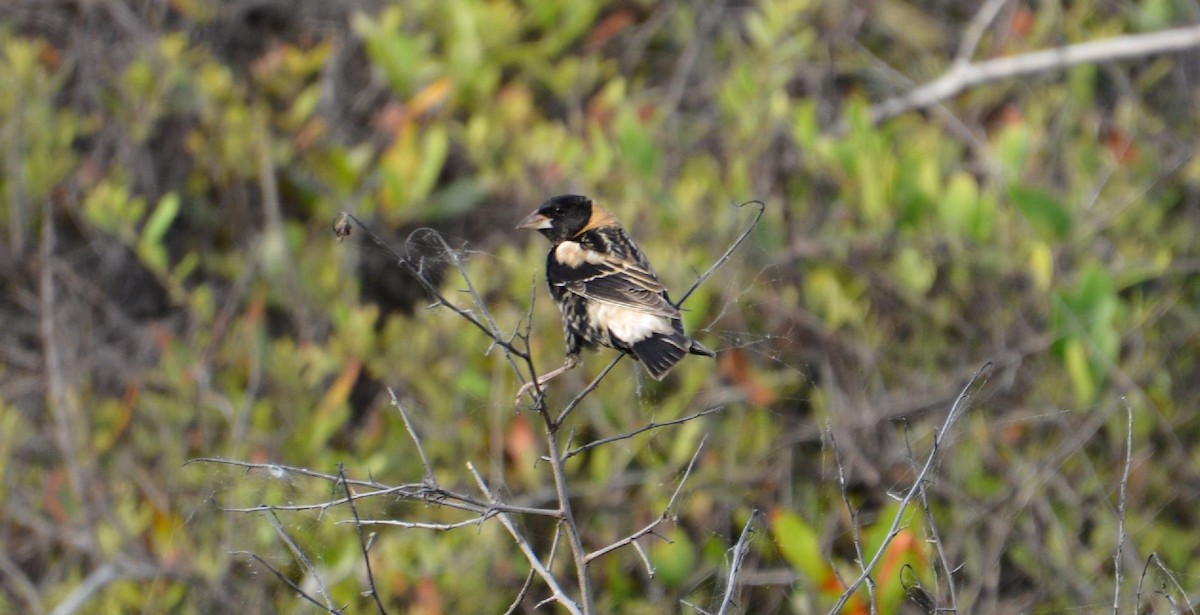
[(606, 290)]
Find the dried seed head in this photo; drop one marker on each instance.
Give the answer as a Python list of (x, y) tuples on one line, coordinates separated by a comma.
[(341, 226)]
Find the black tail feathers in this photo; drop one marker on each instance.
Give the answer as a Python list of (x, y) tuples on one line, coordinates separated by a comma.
[(661, 352)]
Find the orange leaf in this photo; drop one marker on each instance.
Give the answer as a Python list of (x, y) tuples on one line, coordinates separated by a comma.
[(1022, 22), (428, 600), (520, 444), (734, 366), (430, 96), (608, 27), (1119, 145), (339, 391)]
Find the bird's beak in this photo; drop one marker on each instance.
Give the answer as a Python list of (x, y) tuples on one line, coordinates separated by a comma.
[(535, 222)]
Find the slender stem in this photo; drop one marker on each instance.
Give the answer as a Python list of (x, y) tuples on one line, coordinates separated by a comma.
[(578, 554)]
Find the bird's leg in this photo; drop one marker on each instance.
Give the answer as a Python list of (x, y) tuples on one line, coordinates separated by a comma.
[(569, 364)]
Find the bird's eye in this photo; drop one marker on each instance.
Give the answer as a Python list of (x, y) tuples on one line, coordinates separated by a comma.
[(558, 209)]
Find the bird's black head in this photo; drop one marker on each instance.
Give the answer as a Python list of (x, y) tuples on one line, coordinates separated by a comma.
[(562, 217)]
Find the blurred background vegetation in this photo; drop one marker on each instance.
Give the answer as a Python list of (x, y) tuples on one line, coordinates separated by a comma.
[(170, 289)]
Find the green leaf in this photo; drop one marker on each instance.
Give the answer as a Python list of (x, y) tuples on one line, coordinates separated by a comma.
[(160, 220), (798, 543), (675, 559), (635, 139), (1047, 215)]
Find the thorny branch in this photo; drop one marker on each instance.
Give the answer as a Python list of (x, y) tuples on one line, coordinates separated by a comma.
[(934, 537), (363, 543), (739, 553)]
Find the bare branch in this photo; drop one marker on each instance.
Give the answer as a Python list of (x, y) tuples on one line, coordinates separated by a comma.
[(974, 32), (420, 525), (516, 603), (930, 523), (587, 390), (415, 271), (574, 540), (286, 581), (413, 434), (362, 540), (462, 272), (739, 553), (1157, 561), (643, 429), (853, 512), (547, 577), (963, 76), (418, 491), (1121, 507), (650, 527), (300, 556), (725, 257), (955, 410)]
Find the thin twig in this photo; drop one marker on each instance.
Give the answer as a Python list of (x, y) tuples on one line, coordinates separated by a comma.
[(299, 554), (931, 526), (739, 553), (961, 77), (1121, 507), (428, 469), (574, 540), (516, 603), (286, 581), (421, 491), (362, 540), (415, 271), (547, 577), (421, 525), (629, 434), (586, 390), (725, 257), (974, 32), (955, 410), (650, 527), (462, 272), (57, 395), (853, 512), (1154, 559)]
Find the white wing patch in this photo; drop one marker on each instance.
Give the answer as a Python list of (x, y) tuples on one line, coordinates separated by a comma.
[(629, 326), (573, 254)]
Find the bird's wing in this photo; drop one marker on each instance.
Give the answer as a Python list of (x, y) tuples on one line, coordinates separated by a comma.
[(610, 279)]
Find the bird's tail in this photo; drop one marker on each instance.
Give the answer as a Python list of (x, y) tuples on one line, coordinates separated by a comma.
[(700, 349), (661, 352)]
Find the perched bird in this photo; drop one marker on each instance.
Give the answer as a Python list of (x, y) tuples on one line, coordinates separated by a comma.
[(606, 290)]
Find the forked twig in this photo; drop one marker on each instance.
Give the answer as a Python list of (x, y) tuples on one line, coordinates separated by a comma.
[(739, 553), (547, 577), (1153, 558), (955, 410), (286, 581), (650, 527), (362, 541), (853, 512), (300, 556), (931, 526)]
